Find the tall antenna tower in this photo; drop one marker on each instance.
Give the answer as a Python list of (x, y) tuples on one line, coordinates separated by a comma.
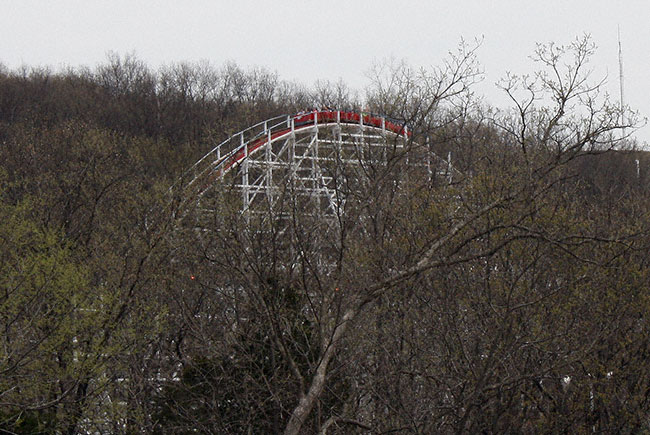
[(620, 79)]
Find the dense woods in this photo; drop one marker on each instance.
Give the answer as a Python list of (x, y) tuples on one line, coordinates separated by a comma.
[(512, 298)]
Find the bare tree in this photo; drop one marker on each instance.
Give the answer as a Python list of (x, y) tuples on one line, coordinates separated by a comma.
[(449, 292)]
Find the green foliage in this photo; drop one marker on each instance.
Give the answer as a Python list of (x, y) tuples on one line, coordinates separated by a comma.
[(28, 422), (246, 388), (46, 312)]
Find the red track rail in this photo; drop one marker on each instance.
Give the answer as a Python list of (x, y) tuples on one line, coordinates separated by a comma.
[(316, 118)]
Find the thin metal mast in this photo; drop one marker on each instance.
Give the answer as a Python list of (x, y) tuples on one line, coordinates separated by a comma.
[(620, 79)]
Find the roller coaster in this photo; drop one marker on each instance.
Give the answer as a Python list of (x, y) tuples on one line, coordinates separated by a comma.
[(304, 152)]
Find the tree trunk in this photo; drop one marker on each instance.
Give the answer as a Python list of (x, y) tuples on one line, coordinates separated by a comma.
[(307, 401)]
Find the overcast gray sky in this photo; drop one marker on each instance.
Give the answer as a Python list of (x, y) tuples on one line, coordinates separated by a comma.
[(308, 40)]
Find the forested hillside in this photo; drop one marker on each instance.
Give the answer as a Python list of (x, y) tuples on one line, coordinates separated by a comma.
[(512, 298)]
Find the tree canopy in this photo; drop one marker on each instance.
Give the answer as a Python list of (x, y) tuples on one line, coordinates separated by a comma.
[(511, 297)]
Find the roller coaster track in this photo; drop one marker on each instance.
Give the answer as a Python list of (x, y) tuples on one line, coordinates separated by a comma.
[(301, 149)]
